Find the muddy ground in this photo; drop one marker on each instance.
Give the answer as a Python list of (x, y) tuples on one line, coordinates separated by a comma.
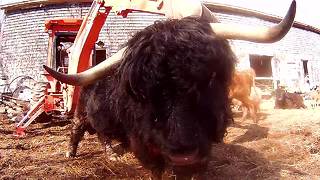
[(285, 144)]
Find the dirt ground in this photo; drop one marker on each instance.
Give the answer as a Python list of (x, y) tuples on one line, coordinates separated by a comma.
[(285, 144)]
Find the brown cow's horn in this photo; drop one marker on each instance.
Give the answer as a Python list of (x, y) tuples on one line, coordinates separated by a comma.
[(257, 34)]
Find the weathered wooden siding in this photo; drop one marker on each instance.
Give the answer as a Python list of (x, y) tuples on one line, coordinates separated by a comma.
[(288, 53), (24, 42), (23, 49)]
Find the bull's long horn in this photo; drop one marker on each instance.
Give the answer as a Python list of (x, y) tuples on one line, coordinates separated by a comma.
[(257, 34), (88, 76)]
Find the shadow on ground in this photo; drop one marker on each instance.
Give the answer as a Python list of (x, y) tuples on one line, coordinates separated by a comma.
[(254, 132)]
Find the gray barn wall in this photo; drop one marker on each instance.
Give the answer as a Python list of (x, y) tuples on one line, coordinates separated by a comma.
[(288, 53), (24, 42), (23, 49)]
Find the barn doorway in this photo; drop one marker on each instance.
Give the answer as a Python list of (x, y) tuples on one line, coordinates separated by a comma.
[(100, 53), (99, 56), (262, 65), (263, 68), (61, 49), (305, 68)]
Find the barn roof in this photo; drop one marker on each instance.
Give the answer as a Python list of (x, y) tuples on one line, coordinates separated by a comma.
[(27, 4), (215, 7)]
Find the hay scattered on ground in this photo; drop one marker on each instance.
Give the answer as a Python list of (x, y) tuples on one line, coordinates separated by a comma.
[(284, 144)]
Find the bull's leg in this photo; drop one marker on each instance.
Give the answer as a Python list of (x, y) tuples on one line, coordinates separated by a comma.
[(250, 106), (244, 113), (253, 113), (108, 147), (113, 150), (257, 107), (77, 133)]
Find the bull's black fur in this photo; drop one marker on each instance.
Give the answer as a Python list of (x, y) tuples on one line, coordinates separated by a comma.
[(166, 99)]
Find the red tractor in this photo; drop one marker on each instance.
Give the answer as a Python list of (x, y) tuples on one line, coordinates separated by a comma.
[(72, 49)]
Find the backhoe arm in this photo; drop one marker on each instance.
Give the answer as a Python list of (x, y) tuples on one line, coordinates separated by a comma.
[(89, 33)]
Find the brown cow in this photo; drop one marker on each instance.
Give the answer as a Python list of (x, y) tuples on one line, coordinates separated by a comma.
[(287, 100), (240, 89), (314, 96), (256, 96)]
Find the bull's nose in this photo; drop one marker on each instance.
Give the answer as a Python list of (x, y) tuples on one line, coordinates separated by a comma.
[(185, 159)]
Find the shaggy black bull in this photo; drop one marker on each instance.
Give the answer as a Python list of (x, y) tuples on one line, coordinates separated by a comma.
[(167, 98)]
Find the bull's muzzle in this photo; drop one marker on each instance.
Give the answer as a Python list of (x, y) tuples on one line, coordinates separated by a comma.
[(186, 159)]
